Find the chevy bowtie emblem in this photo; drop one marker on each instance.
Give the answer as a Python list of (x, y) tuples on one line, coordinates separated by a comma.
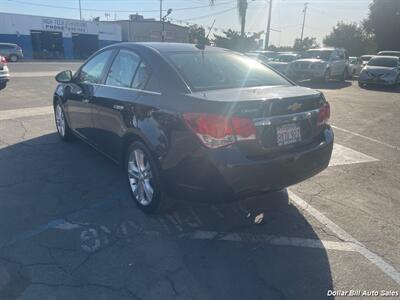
[(294, 107)]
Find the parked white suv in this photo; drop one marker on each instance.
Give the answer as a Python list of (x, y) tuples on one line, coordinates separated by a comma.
[(321, 64)]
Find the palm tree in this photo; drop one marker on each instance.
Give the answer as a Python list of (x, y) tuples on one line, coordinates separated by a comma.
[(242, 10)]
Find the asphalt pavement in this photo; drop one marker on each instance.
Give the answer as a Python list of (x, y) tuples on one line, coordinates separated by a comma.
[(69, 230)]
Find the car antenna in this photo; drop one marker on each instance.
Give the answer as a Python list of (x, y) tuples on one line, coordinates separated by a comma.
[(202, 45)]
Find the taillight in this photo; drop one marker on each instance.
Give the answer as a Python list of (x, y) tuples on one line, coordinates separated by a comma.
[(324, 114), (217, 131), (3, 60)]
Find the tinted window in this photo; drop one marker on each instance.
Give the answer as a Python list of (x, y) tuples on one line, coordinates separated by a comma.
[(285, 58), (123, 69), (141, 77), (216, 70), (383, 62), (93, 70)]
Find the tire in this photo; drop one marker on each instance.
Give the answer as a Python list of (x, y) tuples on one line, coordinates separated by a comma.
[(362, 85), (3, 85), (144, 179), (13, 58), (63, 129), (327, 76)]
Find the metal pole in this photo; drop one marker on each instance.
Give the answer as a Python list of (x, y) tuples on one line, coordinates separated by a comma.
[(160, 10), (80, 10), (304, 20), (266, 43), (162, 21), (163, 29)]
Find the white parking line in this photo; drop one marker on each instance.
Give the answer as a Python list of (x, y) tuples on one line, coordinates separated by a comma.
[(25, 112), (33, 74), (346, 237), (342, 155), (366, 137)]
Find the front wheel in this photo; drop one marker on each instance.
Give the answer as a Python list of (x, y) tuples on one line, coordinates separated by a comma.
[(64, 131), (144, 178)]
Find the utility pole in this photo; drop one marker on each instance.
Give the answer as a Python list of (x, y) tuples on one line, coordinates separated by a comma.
[(160, 10), (80, 10), (266, 43), (304, 20)]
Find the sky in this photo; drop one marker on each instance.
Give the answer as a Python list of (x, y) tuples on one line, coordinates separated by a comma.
[(287, 15)]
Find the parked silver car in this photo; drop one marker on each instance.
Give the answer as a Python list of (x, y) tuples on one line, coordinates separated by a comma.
[(12, 52), (321, 64), (355, 65), (389, 53), (4, 73), (381, 70), (281, 62)]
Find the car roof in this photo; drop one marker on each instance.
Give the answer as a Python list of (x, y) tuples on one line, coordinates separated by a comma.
[(394, 52), (170, 47), (9, 44)]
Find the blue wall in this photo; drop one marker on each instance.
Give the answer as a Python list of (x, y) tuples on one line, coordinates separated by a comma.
[(25, 42)]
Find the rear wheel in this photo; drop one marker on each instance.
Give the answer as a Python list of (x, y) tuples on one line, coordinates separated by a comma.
[(13, 58), (3, 85), (144, 178)]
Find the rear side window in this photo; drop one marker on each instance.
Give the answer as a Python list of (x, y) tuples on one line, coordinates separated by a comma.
[(123, 69), (93, 70), (216, 70), (141, 77)]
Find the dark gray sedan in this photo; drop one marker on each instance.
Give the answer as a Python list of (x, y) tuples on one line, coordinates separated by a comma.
[(381, 70)]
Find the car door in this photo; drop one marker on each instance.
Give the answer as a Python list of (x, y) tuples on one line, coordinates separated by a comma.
[(80, 93), (114, 101), (335, 63)]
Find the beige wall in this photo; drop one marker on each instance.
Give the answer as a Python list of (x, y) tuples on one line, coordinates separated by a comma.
[(150, 31)]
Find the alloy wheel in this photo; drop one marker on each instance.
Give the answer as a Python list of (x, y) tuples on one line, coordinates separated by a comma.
[(60, 120), (140, 177)]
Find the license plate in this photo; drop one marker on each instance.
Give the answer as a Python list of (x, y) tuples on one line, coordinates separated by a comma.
[(288, 134)]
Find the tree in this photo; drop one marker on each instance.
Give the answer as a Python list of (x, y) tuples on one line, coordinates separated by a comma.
[(384, 23), (233, 40), (197, 35), (242, 10), (306, 43), (350, 36)]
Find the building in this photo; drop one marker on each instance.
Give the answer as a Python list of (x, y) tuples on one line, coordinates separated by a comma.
[(49, 37), (139, 29)]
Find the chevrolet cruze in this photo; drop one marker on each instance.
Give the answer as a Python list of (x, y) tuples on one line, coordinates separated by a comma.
[(200, 122)]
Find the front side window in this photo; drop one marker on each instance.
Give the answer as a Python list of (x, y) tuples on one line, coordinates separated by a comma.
[(123, 69), (216, 70), (93, 70)]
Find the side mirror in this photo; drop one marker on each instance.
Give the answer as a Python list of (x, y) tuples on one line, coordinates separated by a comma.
[(64, 76)]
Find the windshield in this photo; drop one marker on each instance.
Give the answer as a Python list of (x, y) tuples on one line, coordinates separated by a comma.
[(285, 58), (383, 62), (319, 54), (366, 58), (216, 70)]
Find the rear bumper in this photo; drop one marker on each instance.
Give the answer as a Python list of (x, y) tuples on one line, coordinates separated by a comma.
[(378, 82), (308, 74), (228, 174)]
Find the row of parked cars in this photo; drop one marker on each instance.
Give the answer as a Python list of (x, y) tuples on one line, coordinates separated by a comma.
[(324, 64)]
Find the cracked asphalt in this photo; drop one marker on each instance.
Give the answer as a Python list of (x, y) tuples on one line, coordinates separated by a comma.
[(68, 229)]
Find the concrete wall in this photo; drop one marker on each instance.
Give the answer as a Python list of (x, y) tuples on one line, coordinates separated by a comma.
[(150, 31)]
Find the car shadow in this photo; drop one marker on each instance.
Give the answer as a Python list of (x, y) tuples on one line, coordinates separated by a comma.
[(331, 85), (257, 248)]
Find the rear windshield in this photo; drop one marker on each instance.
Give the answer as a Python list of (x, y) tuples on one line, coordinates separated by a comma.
[(320, 54), (216, 70), (383, 62), (285, 58)]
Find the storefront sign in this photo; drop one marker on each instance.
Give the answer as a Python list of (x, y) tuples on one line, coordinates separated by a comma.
[(66, 26)]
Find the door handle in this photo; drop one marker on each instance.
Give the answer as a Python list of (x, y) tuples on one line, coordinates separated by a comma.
[(86, 100), (118, 107)]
